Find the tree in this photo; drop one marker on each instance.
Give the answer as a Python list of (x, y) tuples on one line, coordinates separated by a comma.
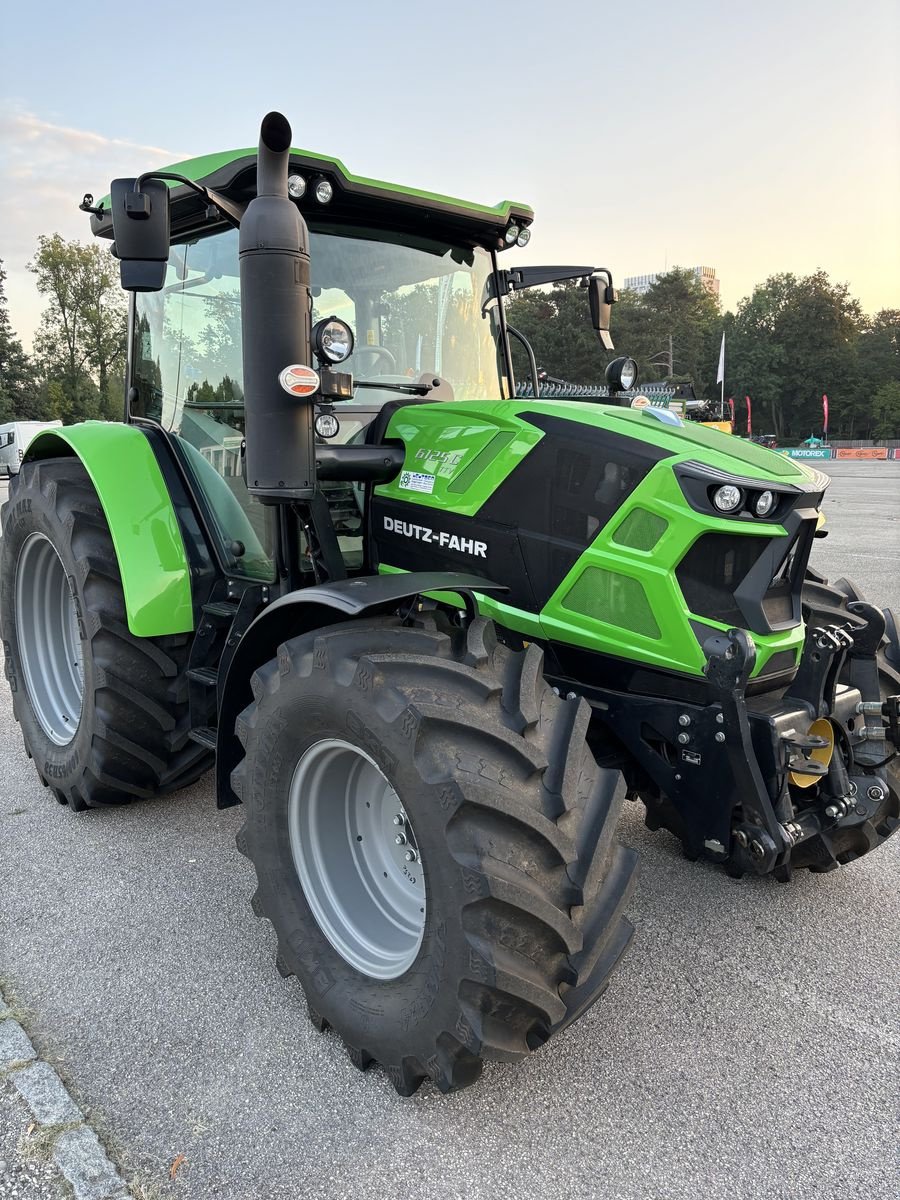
[(557, 324), (16, 372), (82, 336), (676, 311), (886, 411), (678, 307), (793, 340)]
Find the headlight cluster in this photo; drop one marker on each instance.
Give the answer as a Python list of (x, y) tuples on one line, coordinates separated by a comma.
[(517, 235), (729, 498), (322, 189)]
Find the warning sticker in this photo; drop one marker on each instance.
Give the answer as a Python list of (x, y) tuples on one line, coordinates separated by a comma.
[(417, 481)]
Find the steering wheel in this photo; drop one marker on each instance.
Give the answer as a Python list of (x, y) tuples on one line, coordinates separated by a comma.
[(379, 352)]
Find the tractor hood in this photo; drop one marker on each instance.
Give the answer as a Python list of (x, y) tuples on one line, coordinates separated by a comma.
[(604, 524)]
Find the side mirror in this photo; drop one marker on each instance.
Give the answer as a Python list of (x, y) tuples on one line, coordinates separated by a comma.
[(602, 297), (141, 232)]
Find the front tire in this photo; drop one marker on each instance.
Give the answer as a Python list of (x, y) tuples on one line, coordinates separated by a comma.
[(827, 604), (104, 714), (512, 919)]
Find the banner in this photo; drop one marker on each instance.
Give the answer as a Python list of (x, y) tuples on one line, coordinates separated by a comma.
[(803, 452), (749, 418), (825, 417), (895, 454), (867, 452)]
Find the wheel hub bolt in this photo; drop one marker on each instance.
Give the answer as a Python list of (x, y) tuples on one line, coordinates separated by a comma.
[(757, 849), (400, 839), (875, 792), (410, 856), (684, 719), (398, 820), (684, 738), (720, 736), (740, 837)]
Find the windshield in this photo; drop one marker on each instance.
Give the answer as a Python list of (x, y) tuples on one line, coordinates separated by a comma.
[(414, 305)]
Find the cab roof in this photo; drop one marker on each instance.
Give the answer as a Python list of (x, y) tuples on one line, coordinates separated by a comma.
[(355, 198)]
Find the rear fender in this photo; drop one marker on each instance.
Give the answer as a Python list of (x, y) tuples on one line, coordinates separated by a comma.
[(153, 564), (311, 608)]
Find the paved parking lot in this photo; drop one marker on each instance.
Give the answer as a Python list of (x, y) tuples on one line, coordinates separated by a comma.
[(748, 1047)]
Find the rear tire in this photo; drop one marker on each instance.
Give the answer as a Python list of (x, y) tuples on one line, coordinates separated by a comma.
[(512, 822), (130, 739)]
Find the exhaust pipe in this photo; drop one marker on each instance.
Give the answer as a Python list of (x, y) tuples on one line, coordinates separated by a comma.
[(280, 463)]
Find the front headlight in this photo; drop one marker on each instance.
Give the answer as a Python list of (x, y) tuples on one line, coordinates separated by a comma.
[(333, 340), (728, 498), (764, 504)]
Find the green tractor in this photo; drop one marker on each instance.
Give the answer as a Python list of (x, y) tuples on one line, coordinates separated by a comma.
[(429, 634)]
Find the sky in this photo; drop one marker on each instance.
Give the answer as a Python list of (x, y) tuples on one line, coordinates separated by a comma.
[(754, 138)]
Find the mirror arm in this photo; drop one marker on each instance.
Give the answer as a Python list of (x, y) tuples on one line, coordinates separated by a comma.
[(229, 210), (520, 337)]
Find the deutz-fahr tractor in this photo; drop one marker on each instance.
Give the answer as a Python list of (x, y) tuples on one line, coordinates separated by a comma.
[(430, 635)]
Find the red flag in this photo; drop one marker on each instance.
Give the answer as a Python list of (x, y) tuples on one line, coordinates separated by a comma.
[(749, 417), (731, 407), (825, 414)]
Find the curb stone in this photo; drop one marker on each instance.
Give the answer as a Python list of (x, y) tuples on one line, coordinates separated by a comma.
[(77, 1151)]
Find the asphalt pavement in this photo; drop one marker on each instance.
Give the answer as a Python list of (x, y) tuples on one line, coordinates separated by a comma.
[(748, 1047)]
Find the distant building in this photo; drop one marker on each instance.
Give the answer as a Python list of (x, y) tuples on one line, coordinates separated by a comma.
[(643, 283)]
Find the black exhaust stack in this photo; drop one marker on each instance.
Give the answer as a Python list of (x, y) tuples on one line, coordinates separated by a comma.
[(280, 460)]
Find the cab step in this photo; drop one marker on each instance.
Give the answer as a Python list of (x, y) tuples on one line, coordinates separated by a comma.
[(204, 735), (203, 675), (225, 609)]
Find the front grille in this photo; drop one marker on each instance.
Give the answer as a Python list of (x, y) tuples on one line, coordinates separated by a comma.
[(713, 569), (778, 602), (781, 601)]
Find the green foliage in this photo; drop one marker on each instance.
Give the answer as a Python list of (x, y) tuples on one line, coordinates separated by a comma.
[(676, 314), (793, 340), (886, 410), (17, 379), (81, 341), (557, 324)]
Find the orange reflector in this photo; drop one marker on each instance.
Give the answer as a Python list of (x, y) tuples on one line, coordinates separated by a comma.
[(822, 754), (299, 380)]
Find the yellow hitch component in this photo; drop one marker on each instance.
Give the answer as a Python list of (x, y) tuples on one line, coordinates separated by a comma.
[(822, 754)]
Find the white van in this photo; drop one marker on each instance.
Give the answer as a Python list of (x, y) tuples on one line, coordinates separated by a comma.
[(14, 439)]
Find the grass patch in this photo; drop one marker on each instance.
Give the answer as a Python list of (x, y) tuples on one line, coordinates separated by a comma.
[(15, 1066), (37, 1146)]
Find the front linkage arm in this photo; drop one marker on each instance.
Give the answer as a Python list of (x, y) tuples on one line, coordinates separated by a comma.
[(760, 840)]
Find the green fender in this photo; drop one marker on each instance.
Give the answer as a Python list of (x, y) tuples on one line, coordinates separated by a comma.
[(156, 578)]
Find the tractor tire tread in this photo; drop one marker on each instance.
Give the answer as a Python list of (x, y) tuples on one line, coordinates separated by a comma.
[(489, 735)]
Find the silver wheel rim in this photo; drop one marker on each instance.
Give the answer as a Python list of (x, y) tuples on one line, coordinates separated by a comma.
[(357, 859), (49, 640)]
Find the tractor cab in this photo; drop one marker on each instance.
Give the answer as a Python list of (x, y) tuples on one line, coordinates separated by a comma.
[(403, 303)]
